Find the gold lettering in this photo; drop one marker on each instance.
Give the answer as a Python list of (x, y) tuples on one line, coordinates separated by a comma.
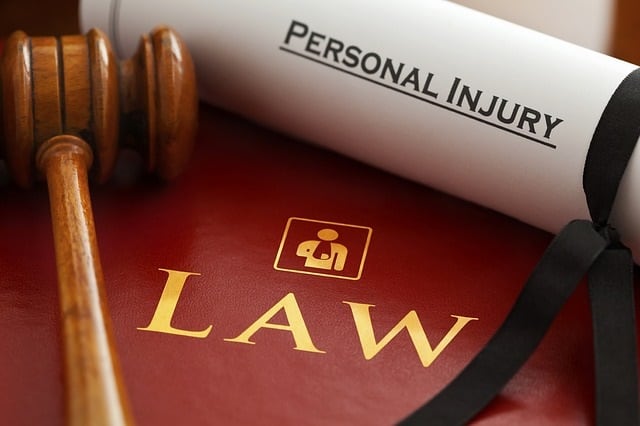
[(161, 321), (427, 354), (295, 325)]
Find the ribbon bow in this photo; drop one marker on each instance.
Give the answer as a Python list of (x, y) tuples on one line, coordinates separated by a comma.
[(582, 248)]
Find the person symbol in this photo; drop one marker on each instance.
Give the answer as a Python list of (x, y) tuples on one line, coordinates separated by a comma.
[(323, 253)]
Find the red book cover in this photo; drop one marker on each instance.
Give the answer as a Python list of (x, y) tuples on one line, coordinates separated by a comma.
[(278, 283)]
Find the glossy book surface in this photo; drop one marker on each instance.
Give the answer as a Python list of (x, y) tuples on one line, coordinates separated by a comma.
[(278, 283)]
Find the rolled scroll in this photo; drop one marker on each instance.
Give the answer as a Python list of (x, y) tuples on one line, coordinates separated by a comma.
[(455, 99)]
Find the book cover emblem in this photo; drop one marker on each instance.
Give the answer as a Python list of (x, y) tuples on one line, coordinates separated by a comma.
[(327, 249)]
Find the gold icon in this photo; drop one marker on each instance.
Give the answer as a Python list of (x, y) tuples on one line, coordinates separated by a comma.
[(323, 248), (323, 253)]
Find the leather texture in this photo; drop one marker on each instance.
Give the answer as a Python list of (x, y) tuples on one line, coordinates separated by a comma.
[(225, 219)]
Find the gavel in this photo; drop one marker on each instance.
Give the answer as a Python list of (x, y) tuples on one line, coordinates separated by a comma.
[(68, 106)]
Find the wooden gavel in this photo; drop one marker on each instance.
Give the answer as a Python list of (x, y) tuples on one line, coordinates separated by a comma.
[(68, 106)]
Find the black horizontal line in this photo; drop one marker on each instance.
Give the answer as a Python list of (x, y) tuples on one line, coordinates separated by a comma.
[(420, 98)]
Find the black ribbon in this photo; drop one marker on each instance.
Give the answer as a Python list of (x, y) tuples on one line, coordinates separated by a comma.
[(581, 248), (611, 277)]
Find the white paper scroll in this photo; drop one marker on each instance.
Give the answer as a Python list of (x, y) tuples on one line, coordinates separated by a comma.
[(466, 103)]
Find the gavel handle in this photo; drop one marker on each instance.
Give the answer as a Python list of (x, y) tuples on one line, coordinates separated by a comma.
[(94, 387)]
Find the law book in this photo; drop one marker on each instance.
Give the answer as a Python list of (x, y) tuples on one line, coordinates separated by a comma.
[(279, 283)]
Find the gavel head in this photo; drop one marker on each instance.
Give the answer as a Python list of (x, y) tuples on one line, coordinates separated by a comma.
[(73, 85)]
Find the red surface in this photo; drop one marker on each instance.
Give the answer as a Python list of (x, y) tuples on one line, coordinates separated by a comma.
[(225, 219)]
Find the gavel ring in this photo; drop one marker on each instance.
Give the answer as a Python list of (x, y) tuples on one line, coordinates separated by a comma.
[(67, 107)]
